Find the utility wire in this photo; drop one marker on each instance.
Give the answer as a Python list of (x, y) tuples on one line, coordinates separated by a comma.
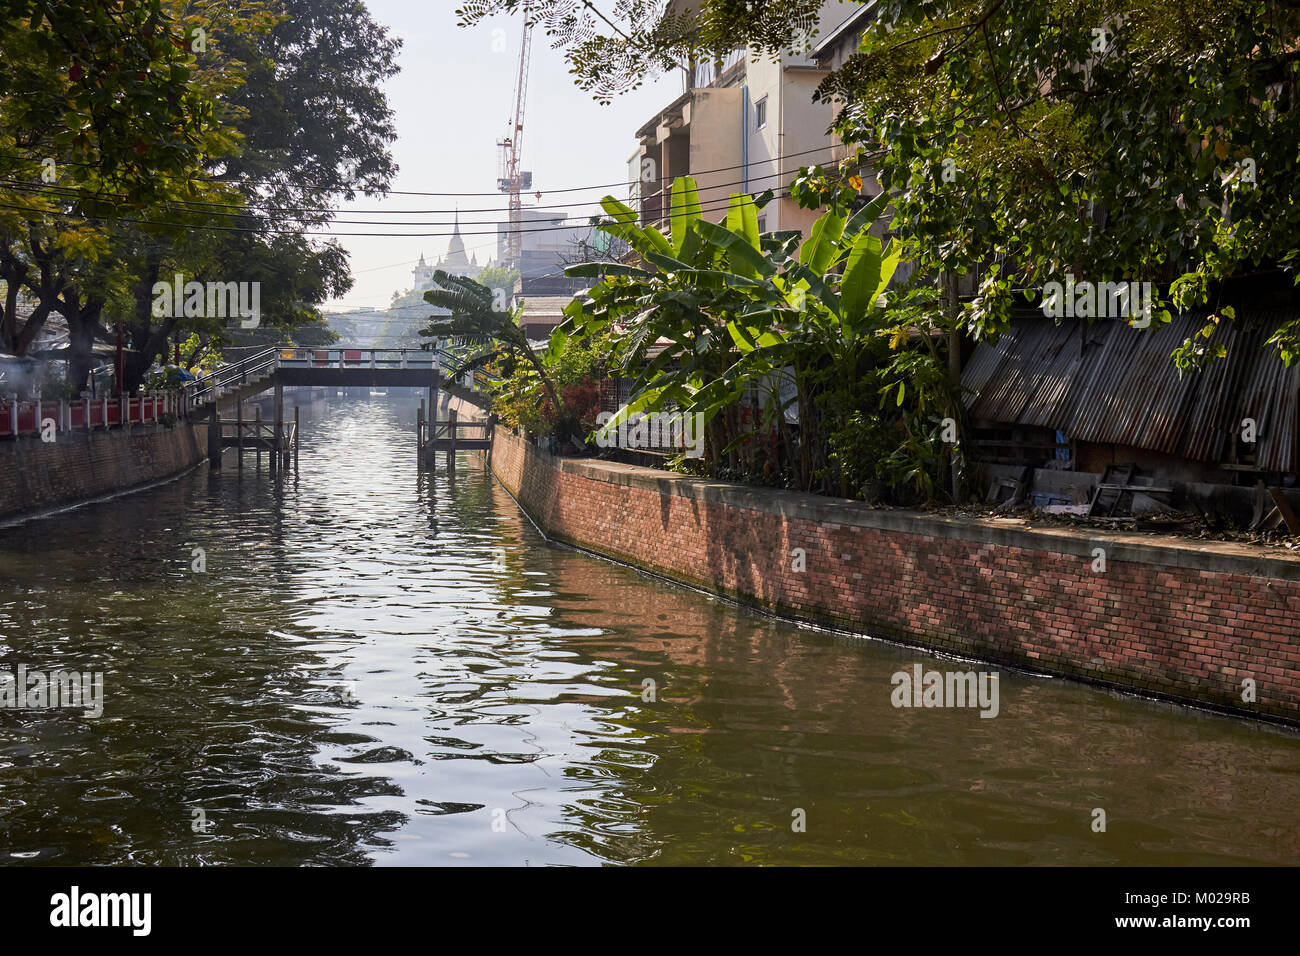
[(397, 192), (64, 192), (325, 231)]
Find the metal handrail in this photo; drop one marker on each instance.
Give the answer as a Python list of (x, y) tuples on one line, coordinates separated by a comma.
[(214, 382), (208, 386)]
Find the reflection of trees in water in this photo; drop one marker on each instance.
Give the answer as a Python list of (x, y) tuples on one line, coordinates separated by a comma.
[(203, 690), (218, 698)]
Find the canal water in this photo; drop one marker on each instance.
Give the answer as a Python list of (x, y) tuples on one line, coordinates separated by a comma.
[(373, 669)]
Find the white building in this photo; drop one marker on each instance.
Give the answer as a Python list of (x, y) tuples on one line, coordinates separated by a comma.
[(455, 262)]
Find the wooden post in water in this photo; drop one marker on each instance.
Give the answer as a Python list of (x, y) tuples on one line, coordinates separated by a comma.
[(433, 411), (214, 438), (296, 433), (277, 443), (419, 438), (258, 434), (239, 432), (451, 443)]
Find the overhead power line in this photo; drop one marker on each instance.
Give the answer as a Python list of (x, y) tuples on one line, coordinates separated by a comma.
[(396, 192), (324, 230), (67, 193)]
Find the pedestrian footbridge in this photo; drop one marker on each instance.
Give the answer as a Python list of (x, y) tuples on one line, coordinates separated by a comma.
[(274, 368)]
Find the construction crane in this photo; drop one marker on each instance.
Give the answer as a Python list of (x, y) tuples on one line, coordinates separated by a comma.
[(512, 181)]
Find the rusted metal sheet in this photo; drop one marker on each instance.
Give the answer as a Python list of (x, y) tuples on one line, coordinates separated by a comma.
[(1113, 384)]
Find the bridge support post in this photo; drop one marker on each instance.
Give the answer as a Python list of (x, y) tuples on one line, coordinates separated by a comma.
[(239, 432), (296, 433), (419, 438), (277, 446), (451, 443), (214, 438), (257, 442)]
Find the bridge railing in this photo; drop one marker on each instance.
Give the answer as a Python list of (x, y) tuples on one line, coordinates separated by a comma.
[(261, 364), (358, 358), (211, 386), (85, 414)]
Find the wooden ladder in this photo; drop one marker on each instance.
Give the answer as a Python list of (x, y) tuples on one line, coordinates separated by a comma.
[(1114, 485)]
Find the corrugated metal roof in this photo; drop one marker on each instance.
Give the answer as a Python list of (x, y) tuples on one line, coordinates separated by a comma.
[(1110, 383)]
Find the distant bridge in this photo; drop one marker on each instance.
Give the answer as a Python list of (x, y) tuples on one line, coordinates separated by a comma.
[(274, 368)]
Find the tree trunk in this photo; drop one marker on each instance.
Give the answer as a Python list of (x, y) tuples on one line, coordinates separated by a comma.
[(147, 343), (82, 325), (953, 315), (952, 312), (15, 273), (807, 433)]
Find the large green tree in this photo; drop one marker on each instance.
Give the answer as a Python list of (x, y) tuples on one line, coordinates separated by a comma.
[(300, 95), (616, 50), (290, 119), (97, 111), (1108, 140)]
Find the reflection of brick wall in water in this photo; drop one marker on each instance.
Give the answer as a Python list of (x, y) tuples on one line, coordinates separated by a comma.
[(1168, 619), (77, 466)]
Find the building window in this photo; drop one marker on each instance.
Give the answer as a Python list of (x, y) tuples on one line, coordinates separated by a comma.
[(760, 113), (762, 224)]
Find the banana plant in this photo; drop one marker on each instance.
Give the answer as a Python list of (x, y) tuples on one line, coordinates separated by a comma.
[(823, 325), (476, 315), (729, 309), (691, 282)]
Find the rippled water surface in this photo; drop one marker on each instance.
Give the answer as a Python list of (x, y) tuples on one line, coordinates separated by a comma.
[(375, 669)]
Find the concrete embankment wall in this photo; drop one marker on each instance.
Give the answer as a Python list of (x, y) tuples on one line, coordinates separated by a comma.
[(78, 466), (1195, 623)]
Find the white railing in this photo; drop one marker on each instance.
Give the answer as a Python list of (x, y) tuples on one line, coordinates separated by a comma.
[(264, 363)]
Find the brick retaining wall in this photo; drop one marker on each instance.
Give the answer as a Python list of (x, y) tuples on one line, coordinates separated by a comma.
[(1165, 618), (37, 475)]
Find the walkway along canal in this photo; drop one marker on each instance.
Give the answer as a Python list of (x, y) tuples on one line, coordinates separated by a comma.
[(372, 664)]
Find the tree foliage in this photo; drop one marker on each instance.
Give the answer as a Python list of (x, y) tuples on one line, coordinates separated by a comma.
[(480, 315), (1027, 139), (250, 119), (718, 317), (609, 55)]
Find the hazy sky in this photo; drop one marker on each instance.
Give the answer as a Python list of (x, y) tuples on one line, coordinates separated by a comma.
[(452, 101)]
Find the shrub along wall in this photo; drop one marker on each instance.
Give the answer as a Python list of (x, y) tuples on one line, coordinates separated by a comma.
[(76, 467), (1212, 623)]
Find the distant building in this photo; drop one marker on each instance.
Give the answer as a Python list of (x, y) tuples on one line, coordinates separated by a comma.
[(744, 124), (455, 262), (548, 244), (542, 314)]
